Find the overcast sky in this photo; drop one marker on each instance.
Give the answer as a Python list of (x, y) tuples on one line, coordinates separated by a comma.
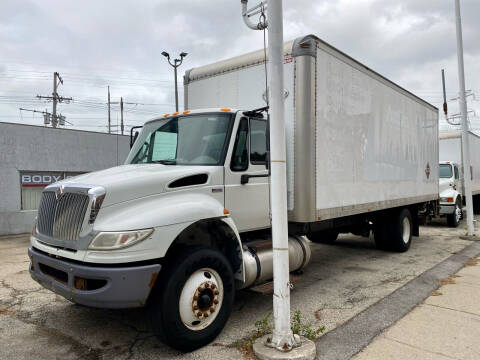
[(93, 44)]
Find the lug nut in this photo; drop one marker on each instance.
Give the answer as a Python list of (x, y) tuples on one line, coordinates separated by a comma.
[(213, 286), (215, 301), (216, 292), (195, 307), (199, 314), (195, 298), (206, 286), (212, 309), (206, 314)]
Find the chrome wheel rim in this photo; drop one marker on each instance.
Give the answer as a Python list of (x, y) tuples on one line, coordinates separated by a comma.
[(458, 213), (406, 230), (201, 299)]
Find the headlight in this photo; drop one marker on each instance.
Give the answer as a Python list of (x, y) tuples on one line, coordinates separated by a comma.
[(118, 240)]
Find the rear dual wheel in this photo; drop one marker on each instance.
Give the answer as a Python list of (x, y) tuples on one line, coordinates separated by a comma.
[(394, 232)]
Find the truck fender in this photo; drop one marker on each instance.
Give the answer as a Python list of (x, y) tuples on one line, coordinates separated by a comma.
[(175, 213)]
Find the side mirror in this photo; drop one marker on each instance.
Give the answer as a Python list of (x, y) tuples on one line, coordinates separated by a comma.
[(132, 136)]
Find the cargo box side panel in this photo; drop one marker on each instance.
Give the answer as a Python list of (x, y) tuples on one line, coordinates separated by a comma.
[(376, 146), (244, 89), (475, 162)]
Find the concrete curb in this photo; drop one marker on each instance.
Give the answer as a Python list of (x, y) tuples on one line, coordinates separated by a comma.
[(350, 338)]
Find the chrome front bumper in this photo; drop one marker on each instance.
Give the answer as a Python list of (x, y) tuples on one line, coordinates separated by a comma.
[(447, 209)]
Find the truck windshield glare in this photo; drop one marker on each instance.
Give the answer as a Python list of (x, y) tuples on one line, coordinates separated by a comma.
[(188, 140), (445, 171)]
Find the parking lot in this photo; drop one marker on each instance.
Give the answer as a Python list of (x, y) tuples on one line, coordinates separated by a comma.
[(341, 281)]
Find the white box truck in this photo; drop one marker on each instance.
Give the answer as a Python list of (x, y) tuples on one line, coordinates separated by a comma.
[(451, 181), (186, 220)]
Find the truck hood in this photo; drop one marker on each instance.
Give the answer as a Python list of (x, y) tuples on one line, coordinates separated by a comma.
[(127, 182)]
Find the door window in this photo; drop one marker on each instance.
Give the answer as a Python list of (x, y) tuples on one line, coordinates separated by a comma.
[(240, 151), (258, 142)]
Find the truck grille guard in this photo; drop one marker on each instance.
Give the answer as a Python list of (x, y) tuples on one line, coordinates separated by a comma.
[(63, 208)]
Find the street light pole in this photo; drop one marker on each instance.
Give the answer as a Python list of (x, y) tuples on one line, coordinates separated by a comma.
[(175, 65), (463, 110)]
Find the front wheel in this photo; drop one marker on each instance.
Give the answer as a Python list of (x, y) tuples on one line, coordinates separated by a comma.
[(192, 299), (453, 220)]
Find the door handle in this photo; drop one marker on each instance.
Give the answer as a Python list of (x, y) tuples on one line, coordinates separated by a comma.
[(246, 177)]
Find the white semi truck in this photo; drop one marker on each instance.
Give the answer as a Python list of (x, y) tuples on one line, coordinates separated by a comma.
[(451, 181), (186, 221)]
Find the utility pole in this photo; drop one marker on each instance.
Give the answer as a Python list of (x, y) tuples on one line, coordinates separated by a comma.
[(282, 338), (175, 65), (282, 333), (109, 121), (121, 114), (57, 79), (463, 110)]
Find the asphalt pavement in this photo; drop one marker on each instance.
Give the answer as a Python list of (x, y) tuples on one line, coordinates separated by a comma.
[(342, 282)]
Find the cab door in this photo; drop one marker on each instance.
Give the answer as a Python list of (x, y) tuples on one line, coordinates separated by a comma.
[(246, 175), (457, 181)]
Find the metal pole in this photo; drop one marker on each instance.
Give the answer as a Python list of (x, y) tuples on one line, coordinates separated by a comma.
[(463, 109), (176, 90), (121, 114), (445, 108), (54, 95), (283, 338), (109, 123)]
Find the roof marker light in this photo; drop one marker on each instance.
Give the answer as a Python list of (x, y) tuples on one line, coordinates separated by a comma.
[(166, 115), (186, 112), (225, 109), (175, 113)]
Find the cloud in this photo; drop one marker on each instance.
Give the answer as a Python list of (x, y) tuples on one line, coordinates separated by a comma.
[(94, 44)]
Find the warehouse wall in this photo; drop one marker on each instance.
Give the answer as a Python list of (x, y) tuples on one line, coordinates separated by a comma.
[(31, 149)]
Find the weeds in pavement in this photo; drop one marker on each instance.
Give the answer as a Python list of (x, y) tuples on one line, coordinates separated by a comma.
[(264, 326)]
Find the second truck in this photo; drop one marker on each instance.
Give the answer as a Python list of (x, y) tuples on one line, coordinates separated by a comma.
[(186, 221), (452, 189)]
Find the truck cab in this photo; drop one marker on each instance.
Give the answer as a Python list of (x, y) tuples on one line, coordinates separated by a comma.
[(177, 228), (450, 191)]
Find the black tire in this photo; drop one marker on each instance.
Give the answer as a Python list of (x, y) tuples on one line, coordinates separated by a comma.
[(401, 231), (476, 204), (452, 219), (164, 308), (323, 237), (381, 234)]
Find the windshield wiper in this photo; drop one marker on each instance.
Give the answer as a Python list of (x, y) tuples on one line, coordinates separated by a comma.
[(165, 162)]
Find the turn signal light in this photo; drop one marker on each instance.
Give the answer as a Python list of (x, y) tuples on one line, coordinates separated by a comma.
[(226, 212), (450, 199)]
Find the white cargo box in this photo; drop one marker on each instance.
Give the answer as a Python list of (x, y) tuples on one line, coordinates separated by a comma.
[(451, 150), (356, 142)]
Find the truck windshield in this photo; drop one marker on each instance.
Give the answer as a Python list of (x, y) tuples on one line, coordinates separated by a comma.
[(445, 171), (185, 140)]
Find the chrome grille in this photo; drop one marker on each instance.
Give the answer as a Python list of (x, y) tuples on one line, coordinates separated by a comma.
[(62, 218)]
